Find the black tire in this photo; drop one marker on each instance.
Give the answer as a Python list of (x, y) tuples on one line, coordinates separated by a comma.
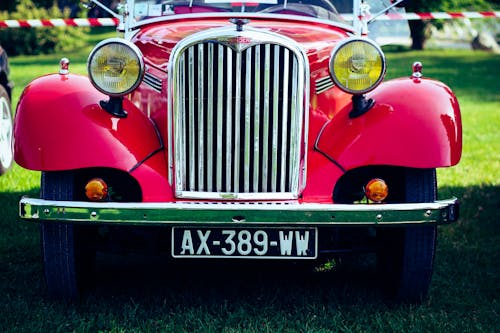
[(406, 255), (67, 258), (6, 131)]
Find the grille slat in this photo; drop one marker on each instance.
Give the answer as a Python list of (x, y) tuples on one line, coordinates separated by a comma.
[(229, 119), (238, 120), (265, 122), (248, 121), (220, 111), (294, 145), (284, 124), (191, 153), (256, 128), (210, 116), (181, 159), (201, 118), (236, 127), (275, 129)]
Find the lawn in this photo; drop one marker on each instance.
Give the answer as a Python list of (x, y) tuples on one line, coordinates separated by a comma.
[(150, 296)]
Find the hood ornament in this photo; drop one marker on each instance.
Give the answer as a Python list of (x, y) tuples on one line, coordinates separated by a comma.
[(239, 22)]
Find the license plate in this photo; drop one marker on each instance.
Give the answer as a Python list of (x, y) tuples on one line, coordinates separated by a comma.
[(262, 243)]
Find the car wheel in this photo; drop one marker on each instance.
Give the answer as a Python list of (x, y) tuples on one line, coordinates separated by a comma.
[(406, 255), (68, 260), (6, 155)]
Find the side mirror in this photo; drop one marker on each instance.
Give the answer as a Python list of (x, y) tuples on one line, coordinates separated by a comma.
[(91, 4), (87, 4)]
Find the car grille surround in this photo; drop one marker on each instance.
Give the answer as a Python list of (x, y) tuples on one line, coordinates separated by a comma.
[(237, 105)]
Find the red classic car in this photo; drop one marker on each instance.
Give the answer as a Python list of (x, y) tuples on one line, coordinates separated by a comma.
[(239, 130), (6, 155)]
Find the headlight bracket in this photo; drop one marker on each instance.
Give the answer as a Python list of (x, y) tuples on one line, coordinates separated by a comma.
[(360, 105), (114, 106)]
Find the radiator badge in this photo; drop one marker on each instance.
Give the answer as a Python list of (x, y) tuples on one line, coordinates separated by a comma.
[(237, 43), (239, 40)]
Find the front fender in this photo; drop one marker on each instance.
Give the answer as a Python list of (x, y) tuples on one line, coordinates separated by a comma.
[(414, 123), (59, 125)]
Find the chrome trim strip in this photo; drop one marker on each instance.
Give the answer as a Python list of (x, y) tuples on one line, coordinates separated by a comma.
[(153, 81), (179, 128), (301, 97), (323, 84), (235, 196), (294, 143), (289, 213)]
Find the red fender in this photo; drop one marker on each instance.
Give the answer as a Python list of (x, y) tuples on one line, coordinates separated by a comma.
[(414, 123), (60, 125)]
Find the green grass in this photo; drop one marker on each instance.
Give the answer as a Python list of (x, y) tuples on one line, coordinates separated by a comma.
[(150, 296)]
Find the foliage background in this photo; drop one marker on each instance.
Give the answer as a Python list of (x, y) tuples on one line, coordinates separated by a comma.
[(40, 40)]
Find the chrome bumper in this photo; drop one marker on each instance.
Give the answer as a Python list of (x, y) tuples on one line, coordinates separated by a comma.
[(439, 212)]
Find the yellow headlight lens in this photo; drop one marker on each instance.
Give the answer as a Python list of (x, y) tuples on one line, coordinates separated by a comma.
[(357, 66), (115, 67)]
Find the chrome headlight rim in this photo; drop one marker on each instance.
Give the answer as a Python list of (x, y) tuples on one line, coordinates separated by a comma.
[(139, 58), (343, 44)]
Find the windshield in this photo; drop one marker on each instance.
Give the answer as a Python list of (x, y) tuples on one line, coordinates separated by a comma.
[(323, 9), (383, 31)]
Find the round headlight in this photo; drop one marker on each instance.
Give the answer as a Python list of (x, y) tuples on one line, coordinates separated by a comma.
[(357, 65), (115, 67)]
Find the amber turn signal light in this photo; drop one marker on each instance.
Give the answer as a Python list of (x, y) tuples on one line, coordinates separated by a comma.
[(376, 190), (96, 189)]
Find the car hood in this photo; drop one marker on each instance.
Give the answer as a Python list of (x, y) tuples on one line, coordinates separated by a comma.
[(157, 40)]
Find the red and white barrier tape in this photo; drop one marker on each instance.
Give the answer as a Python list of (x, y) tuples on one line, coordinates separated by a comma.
[(77, 22), (109, 22), (438, 15)]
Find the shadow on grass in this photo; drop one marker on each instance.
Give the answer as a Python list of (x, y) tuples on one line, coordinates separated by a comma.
[(211, 286), (202, 284)]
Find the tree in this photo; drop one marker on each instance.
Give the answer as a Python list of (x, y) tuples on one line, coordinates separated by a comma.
[(8, 5), (419, 29)]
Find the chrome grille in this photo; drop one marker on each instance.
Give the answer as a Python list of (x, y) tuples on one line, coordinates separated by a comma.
[(238, 120)]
